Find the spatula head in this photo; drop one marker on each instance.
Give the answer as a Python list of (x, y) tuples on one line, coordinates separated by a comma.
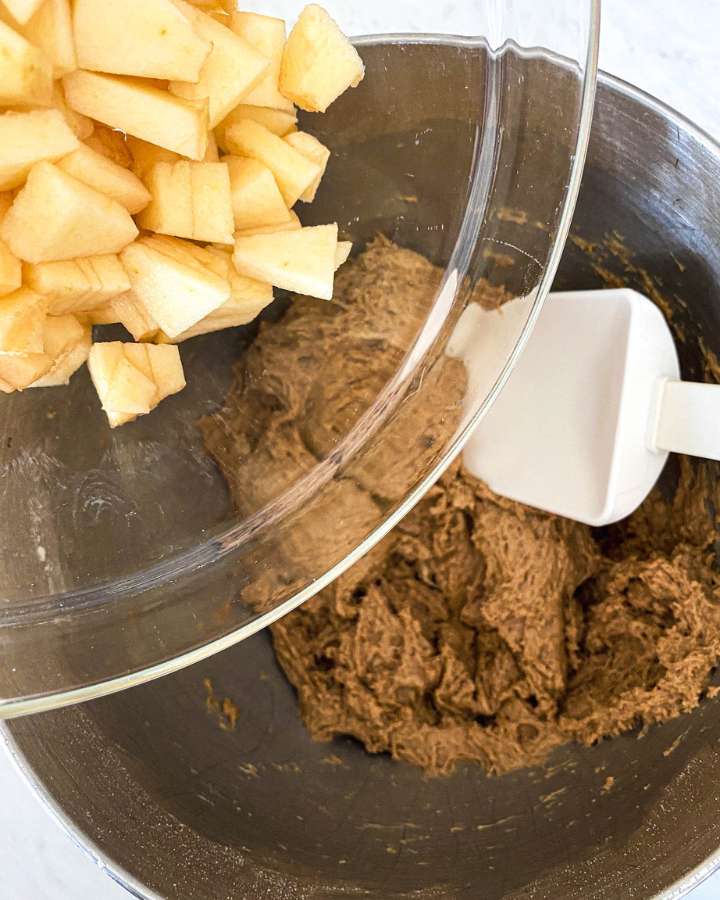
[(569, 433)]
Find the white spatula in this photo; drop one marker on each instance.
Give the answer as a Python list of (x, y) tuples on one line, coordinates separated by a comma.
[(585, 424)]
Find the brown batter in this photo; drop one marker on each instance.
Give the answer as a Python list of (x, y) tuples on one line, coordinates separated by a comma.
[(479, 629)]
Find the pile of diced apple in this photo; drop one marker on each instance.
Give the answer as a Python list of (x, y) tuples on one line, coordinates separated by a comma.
[(150, 161)]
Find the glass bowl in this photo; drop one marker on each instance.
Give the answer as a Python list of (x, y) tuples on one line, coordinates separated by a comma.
[(124, 557)]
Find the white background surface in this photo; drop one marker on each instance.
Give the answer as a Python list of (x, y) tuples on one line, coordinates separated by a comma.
[(668, 48)]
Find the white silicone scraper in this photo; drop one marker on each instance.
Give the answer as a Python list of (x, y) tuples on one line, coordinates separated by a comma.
[(584, 426)]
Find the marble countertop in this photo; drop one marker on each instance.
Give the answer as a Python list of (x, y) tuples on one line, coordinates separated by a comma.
[(662, 46)]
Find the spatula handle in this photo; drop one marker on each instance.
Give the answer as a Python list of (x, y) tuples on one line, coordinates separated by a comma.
[(688, 419)]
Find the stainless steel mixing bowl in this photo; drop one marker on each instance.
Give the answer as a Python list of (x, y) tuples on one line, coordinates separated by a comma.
[(174, 806)]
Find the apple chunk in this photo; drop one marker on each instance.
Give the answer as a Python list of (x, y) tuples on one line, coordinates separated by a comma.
[(231, 70), (145, 112), (22, 322), (293, 172), (147, 38), (344, 249), (27, 138), (302, 261), (145, 156), (50, 29), (56, 217), (19, 372), (173, 286), (128, 311), (22, 10), (107, 177), (131, 379), (190, 200), (10, 271), (319, 63), (68, 344), (293, 224), (77, 285), (316, 152), (26, 74), (256, 198), (276, 120), (267, 35)]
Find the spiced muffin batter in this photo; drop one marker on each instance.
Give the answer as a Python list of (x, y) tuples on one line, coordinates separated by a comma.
[(479, 629)]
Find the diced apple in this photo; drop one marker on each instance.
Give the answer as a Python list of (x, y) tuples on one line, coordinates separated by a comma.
[(276, 120), (175, 289), (22, 322), (111, 144), (27, 138), (319, 63), (10, 271), (256, 198), (22, 10), (249, 299), (267, 35), (233, 68), (342, 253), (190, 200), (56, 217), (302, 261), (145, 156), (293, 172), (81, 126), (131, 379), (20, 371), (294, 224), (147, 38), (78, 285), (316, 152), (50, 29), (67, 343), (26, 74), (107, 177), (128, 311), (211, 154), (6, 201), (144, 112)]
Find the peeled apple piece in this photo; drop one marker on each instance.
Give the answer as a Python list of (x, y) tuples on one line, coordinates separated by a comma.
[(77, 285), (131, 379), (232, 69), (293, 171), (267, 35), (26, 74), (107, 177), (319, 63), (141, 110), (176, 290), (301, 261), (27, 138), (57, 217), (147, 38), (67, 343)]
